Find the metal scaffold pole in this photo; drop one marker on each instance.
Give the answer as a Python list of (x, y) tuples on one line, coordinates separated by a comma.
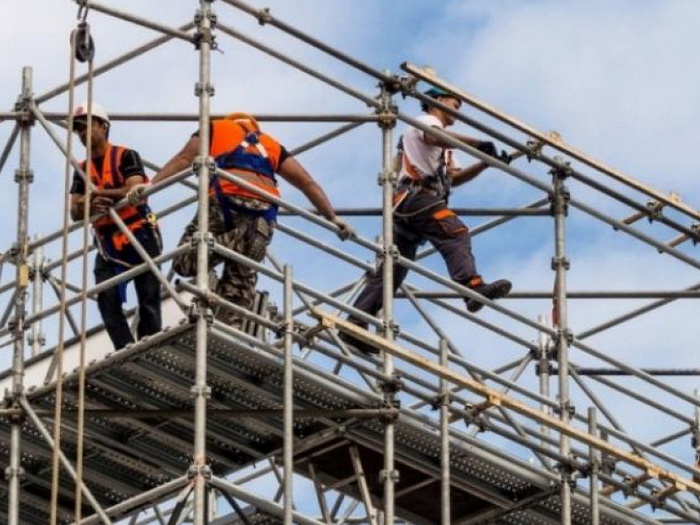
[(288, 446), (36, 338), (389, 473), (560, 265), (23, 177), (446, 516), (204, 90)]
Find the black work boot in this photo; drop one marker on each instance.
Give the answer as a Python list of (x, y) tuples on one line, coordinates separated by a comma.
[(354, 342), (494, 290)]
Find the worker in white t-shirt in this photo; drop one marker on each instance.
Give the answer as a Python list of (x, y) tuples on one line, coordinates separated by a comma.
[(421, 213)]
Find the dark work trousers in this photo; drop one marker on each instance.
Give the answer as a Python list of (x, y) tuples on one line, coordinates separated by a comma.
[(147, 292), (421, 217)]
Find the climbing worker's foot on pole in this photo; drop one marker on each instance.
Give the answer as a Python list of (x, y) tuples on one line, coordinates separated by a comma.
[(492, 291), (355, 343)]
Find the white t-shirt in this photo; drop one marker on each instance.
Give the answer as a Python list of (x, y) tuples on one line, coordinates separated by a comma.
[(422, 156)]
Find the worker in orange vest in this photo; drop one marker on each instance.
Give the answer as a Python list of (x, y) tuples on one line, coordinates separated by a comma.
[(239, 219), (112, 171)]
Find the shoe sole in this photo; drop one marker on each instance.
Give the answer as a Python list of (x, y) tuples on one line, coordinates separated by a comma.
[(499, 292)]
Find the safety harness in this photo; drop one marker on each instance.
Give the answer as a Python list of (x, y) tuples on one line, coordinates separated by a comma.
[(251, 157), (439, 183), (113, 243)]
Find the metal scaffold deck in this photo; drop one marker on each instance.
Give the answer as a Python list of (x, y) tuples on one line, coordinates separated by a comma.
[(138, 447), (281, 422)]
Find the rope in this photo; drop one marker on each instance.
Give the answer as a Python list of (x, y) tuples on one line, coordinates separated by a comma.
[(82, 50), (83, 304), (58, 357)]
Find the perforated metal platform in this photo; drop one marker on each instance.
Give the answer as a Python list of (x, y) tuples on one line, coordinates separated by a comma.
[(130, 449)]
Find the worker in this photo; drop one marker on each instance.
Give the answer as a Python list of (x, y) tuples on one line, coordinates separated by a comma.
[(428, 172), (112, 171), (239, 219)]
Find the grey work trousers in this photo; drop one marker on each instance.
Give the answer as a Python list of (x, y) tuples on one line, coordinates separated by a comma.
[(421, 217)]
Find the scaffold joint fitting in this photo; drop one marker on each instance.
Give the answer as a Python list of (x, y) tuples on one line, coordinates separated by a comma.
[(203, 471), (695, 228), (472, 416), (386, 118), (562, 169), (567, 407), (200, 308), (392, 385), (24, 175), (197, 391), (264, 16), (392, 85), (200, 88), (393, 475), (391, 252), (654, 210), (11, 473), (543, 368), (24, 116), (560, 262), (386, 176), (439, 401), (203, 238)]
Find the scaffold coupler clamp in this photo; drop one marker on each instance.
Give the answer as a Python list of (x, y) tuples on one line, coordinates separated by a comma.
[(567, 468), (203, 471), (205, 35), (695, 228), (393, 384), (654, 210), (386, 118), (473, 416), (567, 407), (392, 475), (392, 84)]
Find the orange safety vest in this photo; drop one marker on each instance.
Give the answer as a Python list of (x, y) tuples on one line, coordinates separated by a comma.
[(113, 242), (247, 153)]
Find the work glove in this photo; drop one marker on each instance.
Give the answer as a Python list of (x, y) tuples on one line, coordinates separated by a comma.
[(345, 231), (488, 147), (135, 194)]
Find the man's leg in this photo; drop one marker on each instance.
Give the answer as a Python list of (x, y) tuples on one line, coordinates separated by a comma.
[(185, 264), (109, 303), (451, 237), (148, 289), (250, 237), (371, 298)]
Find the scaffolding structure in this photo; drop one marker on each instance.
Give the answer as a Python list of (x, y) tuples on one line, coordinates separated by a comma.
[(281, 422)]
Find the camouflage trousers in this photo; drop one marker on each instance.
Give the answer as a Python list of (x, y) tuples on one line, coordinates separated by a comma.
[(249, 236)]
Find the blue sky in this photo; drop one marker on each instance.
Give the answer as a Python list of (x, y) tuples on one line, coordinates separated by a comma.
[(618, 80)]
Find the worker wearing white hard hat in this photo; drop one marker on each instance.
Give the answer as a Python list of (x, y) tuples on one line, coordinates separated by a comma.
[(112, 171)]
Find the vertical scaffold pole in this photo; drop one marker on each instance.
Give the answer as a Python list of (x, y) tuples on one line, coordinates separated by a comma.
[(544, 370), (37, 339), (446, 511), (387, 121), (201, 392), (594, 460), (560, 265), (23, 177), (288, 447)]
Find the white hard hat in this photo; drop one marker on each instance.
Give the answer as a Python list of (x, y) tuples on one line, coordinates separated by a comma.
[(81, 111)]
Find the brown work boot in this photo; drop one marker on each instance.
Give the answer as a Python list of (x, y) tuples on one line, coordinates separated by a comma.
[(353, 342), (492, 291)]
